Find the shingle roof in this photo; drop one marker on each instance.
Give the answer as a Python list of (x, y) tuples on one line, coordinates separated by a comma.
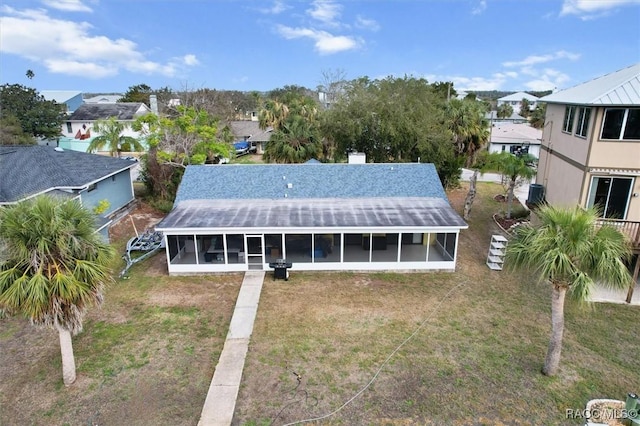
[(33, 169), (251, 130), (296, 213), (122, 111), (272, 181), (619, 88)]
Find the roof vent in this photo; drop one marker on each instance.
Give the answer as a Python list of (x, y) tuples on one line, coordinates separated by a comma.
[(58, 149), (289, 185)]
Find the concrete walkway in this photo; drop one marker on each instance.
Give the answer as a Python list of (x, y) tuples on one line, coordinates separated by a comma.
[(221, 399), (602, 294)]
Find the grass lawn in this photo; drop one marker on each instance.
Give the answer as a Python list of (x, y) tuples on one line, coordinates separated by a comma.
[(475, 359), (147, 356)]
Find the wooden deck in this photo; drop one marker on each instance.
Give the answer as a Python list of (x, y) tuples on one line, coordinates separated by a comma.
[(629, 228)]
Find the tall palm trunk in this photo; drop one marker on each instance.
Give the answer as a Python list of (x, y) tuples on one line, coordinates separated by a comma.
[(552, 361), (68, 361), (510, 190), (471, 195)]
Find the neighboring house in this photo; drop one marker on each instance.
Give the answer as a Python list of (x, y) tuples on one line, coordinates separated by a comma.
[(591, 148), (516, 139), (77, 131), (515, 118), (27, 171), (250, 131), (103, 99), (515, 100), (316, 216), (72, 99)]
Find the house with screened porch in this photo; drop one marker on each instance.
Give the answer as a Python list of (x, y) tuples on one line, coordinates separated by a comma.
[(316, 216)]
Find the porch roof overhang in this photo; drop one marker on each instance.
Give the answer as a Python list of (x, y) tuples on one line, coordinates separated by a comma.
[(409, 212)]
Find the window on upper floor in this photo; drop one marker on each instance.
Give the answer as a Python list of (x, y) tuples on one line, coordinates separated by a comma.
[(621, 124), (69, 128), (584, 114), (569, 115)]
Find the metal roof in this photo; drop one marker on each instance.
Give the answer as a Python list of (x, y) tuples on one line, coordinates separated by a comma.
[(304, 213), (27, 170), (518, 97), (619, 88), (60, 96), (278, 181)]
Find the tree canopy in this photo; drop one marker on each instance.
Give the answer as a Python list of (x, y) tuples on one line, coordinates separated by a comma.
[(111, 136), (37, 116), (54, 266), (571, 251)]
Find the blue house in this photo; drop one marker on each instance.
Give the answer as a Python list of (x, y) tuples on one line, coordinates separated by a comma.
[(32, 170), (317, 216)]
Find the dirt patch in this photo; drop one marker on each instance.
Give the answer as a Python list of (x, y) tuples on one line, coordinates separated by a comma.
[(142, 218)]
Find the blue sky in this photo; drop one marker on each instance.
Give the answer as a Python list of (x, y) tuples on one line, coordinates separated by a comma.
[(109, 45)]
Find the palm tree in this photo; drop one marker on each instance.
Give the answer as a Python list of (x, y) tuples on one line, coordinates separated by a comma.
[(470, 130), (505, 111), (111, 136), (512, 167), (296, 142), (52, 267), (572, 252)]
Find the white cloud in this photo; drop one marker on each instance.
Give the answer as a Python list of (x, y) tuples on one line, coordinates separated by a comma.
[(190, 60), (325, 11), (540, 59), (68, 47), (277, 8), (325, 43), (367, 24), (67, 5), (481, 7), (591, 9), (547, 79)]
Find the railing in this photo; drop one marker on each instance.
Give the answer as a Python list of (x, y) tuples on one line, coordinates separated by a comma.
[(630, 229)]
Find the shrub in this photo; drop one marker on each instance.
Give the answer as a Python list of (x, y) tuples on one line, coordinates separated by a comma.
[(520, 212)]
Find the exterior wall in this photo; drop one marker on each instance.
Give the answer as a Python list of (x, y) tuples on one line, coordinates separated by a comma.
[(74, 102), (117, 189), (77, 126), (188, 259), (612, 154), (498, 147), (562, 181)]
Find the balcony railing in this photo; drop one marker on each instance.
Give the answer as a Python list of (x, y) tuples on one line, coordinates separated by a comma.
[(630, 229)]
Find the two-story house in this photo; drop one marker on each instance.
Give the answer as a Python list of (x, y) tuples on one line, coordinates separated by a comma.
[(515, 100), (590, 152)]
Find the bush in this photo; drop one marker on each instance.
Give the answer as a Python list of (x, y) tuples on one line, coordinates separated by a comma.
[(164, 206), (520, 212)]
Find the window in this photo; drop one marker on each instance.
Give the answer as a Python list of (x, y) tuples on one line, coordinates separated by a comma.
[(69, 128), (569, 115), (583, 121), (621, 124), (611, 195)]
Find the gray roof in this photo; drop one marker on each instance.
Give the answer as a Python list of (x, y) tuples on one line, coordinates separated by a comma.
[(34, 169), (296, 213), (122, 111), (272, 181), (250, 130), (311, 195), (619, 88), (516, 133), (493, 115), (518, 97)]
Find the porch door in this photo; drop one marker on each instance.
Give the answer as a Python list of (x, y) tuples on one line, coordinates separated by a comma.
[(255, 251), (612, 195)]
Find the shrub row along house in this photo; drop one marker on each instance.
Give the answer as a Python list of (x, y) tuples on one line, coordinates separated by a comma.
[(317, 216)]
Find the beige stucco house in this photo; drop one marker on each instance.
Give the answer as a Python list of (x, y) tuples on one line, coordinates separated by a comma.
[(591, 148)]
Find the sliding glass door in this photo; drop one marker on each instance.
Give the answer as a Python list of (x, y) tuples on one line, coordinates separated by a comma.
[(611, 195)]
